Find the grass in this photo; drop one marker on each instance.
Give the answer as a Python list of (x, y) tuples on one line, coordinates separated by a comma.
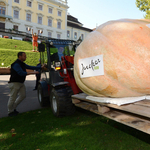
[(8, 52), (41, 130), (9, 56), (15, 44)]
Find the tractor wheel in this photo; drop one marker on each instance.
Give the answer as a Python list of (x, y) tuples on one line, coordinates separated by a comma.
[(44, 101), (61, 102)]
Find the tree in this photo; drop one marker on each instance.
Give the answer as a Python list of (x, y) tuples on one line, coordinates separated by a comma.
[(144, 5)]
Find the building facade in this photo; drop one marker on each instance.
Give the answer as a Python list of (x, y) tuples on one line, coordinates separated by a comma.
[(47, 15), (50, 16), (75, 29)]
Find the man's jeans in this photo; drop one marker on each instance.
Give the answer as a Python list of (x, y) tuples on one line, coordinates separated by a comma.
[(16, 89)]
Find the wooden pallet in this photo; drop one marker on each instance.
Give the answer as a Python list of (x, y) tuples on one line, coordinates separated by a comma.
[(136, 115)]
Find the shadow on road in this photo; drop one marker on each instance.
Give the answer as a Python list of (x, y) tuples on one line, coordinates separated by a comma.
[(29, 103)]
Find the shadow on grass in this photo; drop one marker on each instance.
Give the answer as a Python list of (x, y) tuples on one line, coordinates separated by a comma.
[(131, 131), (84, 130)]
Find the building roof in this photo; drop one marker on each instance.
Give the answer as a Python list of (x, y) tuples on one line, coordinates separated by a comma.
[(73, 22), (73, 19), (78, 27)]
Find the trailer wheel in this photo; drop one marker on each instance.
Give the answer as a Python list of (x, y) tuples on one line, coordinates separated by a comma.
[(44, 101), (61, 102)]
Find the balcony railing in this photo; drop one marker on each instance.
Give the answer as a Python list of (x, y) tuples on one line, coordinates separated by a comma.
[(21, 33), (63, 2), (24, 34), (5, 16)]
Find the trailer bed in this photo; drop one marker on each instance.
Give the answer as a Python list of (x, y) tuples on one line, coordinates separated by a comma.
[(136, 115)]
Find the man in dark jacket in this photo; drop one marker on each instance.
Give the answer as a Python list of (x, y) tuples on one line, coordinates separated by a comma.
[(16, 82)]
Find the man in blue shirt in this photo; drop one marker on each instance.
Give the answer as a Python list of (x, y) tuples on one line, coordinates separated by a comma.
[(16, 82)]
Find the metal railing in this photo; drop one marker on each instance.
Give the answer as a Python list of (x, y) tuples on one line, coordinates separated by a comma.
[(20, 33), (61, 1), (16, 33)]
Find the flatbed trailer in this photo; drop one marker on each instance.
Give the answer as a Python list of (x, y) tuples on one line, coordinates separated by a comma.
[(135, 115)]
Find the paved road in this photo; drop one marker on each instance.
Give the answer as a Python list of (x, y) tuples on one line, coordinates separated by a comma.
[(29, 103)]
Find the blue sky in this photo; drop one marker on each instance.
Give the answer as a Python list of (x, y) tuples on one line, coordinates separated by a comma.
[(96, 12)]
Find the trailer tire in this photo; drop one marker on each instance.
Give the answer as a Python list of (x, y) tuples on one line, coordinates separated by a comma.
[(61, 102), (44, 101)]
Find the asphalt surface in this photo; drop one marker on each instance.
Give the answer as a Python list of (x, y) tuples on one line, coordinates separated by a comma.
[(28, 104)]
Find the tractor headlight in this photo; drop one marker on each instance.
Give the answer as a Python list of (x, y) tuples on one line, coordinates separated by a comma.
[(57, 65)]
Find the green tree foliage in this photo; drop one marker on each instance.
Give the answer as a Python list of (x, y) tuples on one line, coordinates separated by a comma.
[(144, 5)]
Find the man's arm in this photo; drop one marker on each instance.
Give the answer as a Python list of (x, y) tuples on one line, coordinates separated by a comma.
[(33, 67), (37, 68), (19, 70)]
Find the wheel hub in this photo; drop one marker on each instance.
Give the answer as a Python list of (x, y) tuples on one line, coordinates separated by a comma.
[(40, 96), (54, 103)]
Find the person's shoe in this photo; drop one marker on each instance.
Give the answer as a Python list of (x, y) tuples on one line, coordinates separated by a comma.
[(12, 114), (34, 89), (16, 111)]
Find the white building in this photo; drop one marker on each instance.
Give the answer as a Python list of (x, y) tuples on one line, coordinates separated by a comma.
[(47, 15), (75, 29)]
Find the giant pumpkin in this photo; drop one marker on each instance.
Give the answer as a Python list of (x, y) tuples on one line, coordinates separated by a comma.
[(125, 46)]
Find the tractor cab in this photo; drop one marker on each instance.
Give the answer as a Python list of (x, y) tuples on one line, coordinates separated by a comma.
[(57, 82)]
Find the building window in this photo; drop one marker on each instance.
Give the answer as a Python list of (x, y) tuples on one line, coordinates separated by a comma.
[(40, 20), (68, 33), (59, 25), (49, 34), (40, 7), (59, 13), (28, 17), (75, 35), (50, 22), (82, 36), (28, 30), (15, 27), (50, 10), (39, 32), (2, 10), (58, 36), (29, 4), (16, 1), (16, 14)]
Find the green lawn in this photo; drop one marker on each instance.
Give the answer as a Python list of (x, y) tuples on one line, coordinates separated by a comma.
[(8, 52), (40, 129), (15, 44)]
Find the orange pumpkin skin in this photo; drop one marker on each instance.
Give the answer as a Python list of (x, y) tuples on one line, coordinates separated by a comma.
[(125, 46)]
